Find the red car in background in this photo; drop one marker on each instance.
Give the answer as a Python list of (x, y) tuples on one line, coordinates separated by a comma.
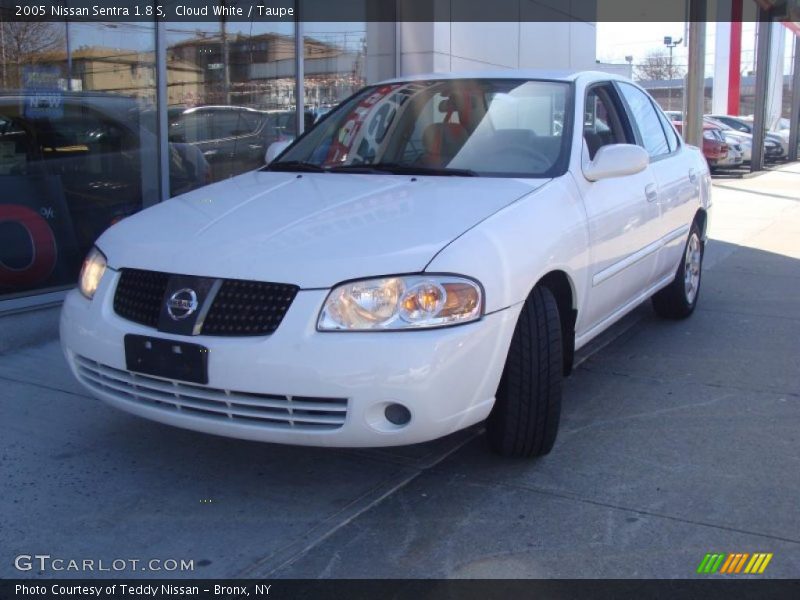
[(715, 148)]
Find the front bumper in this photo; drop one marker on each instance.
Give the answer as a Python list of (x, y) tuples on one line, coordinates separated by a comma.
[(733, 159), (258, 386), (773, 152)]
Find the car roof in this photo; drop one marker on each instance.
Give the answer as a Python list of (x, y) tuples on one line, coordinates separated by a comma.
[(522, 74), (220, 107), (735, 117)]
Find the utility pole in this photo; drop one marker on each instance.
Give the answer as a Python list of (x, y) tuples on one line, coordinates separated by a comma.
[(695, 76), (794, 116), (226, 75), (763, 44), (69, 52), (669, 43), (299, 69), (69, 56)]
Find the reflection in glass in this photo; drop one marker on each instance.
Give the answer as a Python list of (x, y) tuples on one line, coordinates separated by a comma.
[(334, 65), (442, 127), (231, 94), (77, 147)]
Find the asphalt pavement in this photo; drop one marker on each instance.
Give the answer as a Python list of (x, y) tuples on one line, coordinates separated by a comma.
[(677, 439)]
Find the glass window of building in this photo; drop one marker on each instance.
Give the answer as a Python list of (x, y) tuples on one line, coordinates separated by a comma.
[(231, 93), (334, 65), (78, 148), (79, 135)]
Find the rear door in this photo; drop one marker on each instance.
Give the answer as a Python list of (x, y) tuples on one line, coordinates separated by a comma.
[(677, 178), (241, 149)]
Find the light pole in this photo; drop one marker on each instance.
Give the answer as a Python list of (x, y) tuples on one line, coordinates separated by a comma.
[(226, 74), (670, 43), (69, 52)]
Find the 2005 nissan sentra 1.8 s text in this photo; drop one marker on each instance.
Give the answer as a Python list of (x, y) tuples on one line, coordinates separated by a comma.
[(428, 256)]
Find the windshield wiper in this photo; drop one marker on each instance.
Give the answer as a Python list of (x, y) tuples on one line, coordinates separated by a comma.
[(295, 165), (381, 167), (399, 169)]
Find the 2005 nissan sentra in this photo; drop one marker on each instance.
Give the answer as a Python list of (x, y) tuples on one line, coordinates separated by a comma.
[(429, 255)]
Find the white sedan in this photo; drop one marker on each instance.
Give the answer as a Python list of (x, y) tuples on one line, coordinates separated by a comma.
[(428, 256)]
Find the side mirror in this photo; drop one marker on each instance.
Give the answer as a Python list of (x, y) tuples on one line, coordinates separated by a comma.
[(616, 160), (274, 149)]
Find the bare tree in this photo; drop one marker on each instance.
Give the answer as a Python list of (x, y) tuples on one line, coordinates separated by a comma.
[(657, 64), (28, 42)]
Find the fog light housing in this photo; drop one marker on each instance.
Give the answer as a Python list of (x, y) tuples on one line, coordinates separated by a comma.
[(397, 414)]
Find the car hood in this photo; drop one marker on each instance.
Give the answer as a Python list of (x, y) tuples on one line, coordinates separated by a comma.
[(739, 135), (312, 230)]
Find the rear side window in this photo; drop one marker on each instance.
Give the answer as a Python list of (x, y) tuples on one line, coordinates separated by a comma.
[(672, 137), (232, 123), (644, 115)]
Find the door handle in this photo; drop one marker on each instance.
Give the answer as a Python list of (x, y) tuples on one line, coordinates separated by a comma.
[(651, 193), (692, 175)]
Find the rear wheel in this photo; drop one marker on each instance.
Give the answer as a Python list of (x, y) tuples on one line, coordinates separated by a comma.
[(524, 420), (679, 298)]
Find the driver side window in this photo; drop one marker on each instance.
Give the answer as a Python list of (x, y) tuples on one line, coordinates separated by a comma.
[(601, 124)]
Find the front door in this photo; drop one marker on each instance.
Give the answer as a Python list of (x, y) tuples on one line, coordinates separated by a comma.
[(622, 215)]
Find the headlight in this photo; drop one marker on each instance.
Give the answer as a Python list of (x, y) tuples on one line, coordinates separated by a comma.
[(94, 265), (408, 302)]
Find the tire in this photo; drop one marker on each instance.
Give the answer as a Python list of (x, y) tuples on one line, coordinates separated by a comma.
[(524, 419), (679, 298)]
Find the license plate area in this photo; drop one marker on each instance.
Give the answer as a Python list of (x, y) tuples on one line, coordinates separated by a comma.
[(166, 358)]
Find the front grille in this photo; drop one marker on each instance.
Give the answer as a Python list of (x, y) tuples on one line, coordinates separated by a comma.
[(240, 308), (248, 308), (265, 410), (139, 295)]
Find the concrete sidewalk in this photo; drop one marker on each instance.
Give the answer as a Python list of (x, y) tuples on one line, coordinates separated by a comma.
[(677, 439)]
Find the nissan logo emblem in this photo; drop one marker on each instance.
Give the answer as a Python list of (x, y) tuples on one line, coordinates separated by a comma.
[(181, 304)]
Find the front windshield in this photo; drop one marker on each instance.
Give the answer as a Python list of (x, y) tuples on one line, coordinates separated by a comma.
[(460, 126)]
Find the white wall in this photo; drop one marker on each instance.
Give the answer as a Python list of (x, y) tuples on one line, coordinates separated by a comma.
[(442, 47)]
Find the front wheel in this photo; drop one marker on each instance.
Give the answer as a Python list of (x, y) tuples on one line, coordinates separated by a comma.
[(679, 298), (524, 419)]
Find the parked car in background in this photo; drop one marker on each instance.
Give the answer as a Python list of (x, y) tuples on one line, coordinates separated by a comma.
[(734, 136), (232, 139), (776, 146), (779, 129), (284, 123), (715, 148), (783, 126), (735, 156), (428, 256)]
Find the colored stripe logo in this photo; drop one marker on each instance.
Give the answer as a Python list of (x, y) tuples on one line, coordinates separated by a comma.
[(735, 563)]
